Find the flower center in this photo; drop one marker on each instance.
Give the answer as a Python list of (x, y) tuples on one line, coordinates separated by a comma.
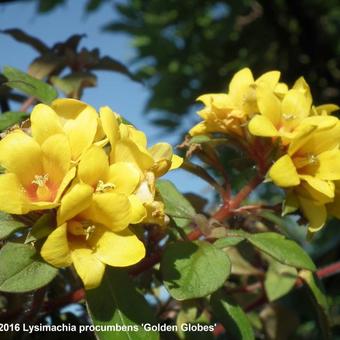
[(307, 160), (312, 159), (104, 187), (43, 192), (40, 180), (84, 228), (288, 117)]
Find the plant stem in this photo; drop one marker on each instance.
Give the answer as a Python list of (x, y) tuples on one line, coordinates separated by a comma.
[(228, 207), (27, 103)]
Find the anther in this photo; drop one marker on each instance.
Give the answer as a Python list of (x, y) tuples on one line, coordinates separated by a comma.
[(103, 187), (40, 180)]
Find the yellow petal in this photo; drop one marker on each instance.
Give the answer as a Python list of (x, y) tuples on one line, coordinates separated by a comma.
[(110, 209), (138, 211), (21, 154), (240, 80), (199, 129), (321, 122), (125, 177), (12, 196), (290, 204), (117, 249), (56, 157), (162, 155), (56, 250), (161, 167), (329, 165), (87, 265), (307, 191), (283, 172), (161, 151), (44, 123), (281, 89), (324, 187), (326, 109), (299, 137), (269, 105), (109, 124), (315, 214), (68, 108), (262, 126), (81, 130), (176, 162), (128, 151), (302, 86), (295, 104), (320, 141), (77, 199), (270, 79), (220, 101), (130, 132), (65, 182), (93, 166)]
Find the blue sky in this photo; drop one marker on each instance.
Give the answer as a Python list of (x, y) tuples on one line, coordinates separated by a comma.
[(120, 93)]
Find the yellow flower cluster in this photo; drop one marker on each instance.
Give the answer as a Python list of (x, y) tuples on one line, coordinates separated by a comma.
[(97, 172), (307, 137)]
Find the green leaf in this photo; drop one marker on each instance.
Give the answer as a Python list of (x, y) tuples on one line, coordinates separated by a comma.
[(194, 269), (25, 38), (228, 242), (231, 315), (283, 250), (29, 85), (8, 225), (199, 139), (41, 228), (116, 302), (240, 261), (176, 205), (319, 300), (22, 270), (280, 279), (7, 119)]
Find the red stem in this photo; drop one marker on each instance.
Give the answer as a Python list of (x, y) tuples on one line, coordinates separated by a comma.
[(228, 207), (27, 103)]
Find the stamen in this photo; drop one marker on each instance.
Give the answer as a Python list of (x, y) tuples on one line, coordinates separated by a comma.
[(40, 180), (89, 231), (288, 116), (312, 159), (104, 187)]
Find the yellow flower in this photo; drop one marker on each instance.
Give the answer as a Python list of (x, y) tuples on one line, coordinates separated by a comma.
[(227, 112), (104, 192), (77, 120), (130, 145), (90, 246), (94, 218), (36, 174), (311, 166), (290, 115)]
